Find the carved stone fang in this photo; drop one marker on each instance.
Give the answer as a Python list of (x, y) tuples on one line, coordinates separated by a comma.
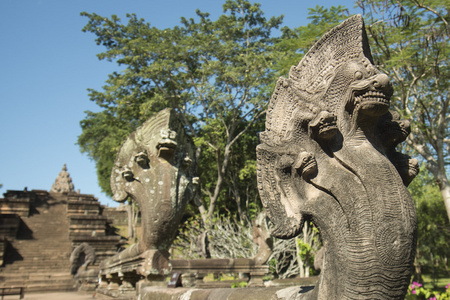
[(306, 164), (309, 168), (166, 143), (372, 96), (323, 127)]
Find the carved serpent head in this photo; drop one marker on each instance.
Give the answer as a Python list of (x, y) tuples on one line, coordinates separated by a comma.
[(156, 167)]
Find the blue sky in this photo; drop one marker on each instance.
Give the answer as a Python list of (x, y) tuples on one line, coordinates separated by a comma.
[(47, 65)]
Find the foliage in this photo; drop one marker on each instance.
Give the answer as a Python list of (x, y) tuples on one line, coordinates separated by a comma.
[(239, 192), (187, 244), (295, 256), (103, 133), (305, 252), (411, 46), (433, 245), (417, 291), (241, 284), (231, 238), (283, 261), (227, 237), (217, 75)]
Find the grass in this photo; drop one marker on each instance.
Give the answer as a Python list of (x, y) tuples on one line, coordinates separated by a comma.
[(440, 282), (221, 277)]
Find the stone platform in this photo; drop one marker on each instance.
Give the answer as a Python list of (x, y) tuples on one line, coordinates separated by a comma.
[(257, 293), (276, 289)]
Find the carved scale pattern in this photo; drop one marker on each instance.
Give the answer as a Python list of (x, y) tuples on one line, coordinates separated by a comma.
[(322, 158)]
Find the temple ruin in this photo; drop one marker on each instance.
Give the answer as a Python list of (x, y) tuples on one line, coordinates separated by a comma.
[(39, 231)]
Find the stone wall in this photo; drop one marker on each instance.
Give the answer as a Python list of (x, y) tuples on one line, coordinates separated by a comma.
[(117, 215)]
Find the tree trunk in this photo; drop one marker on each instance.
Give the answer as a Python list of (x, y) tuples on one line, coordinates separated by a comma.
[(220, 178), (444, 187), (417, 268), (237, 197)]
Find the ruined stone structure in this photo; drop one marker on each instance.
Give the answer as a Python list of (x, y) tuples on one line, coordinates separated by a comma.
[(39, 230), (328, 155), (155, 167), (118, 215), (63, 183)]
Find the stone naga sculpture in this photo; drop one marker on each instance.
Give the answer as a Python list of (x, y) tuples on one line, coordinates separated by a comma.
[(156, 167), (328, 155), (81, 257)]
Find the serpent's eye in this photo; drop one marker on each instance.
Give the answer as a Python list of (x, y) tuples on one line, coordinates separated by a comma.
[(142, 160), (358, 75), (128, 175)]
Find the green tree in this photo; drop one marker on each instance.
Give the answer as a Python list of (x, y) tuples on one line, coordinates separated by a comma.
[(410, 43), (433, 245), (215, 74), (239, 193)]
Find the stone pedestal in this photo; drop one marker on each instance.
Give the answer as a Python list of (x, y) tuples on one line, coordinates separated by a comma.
[(155, 262)]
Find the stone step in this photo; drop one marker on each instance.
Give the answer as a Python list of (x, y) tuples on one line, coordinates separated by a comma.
[(40, 274), (49, 263), (32, 248), (36, 279), (46, 251), (55, 245), (34, 282), (40, 259), (18, 281), (42, 262), (49, 257), (41, 267), (35, 269), (60, 252), (46, 287)]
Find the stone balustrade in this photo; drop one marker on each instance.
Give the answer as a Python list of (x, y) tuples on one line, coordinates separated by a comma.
[(199, 268)]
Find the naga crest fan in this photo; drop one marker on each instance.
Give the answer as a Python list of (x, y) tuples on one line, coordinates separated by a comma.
[(328, 156)]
